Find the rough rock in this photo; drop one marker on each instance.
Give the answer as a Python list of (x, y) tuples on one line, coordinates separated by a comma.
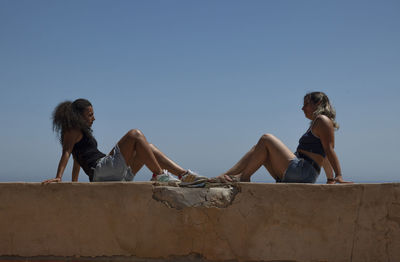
[(181, 197)]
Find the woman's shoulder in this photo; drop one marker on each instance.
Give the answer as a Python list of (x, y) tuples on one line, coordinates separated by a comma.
[(322, 121), (73, 134), (323, 118)]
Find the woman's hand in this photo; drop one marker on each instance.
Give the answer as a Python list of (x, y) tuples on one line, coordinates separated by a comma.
[(338, 180), (53, 180), (331, 181)]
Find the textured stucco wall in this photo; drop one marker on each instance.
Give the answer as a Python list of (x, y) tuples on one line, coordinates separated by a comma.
[(260, 222)]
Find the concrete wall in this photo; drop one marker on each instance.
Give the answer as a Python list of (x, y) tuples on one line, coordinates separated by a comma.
[(255, 222)]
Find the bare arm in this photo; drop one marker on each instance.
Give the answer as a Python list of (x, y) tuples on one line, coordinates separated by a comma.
[(71, 137), (328, 171), (325, 130), (75, 171)]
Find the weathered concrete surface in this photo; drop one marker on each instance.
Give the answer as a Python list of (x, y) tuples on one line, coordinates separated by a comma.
[(179, 198), (263, 222)]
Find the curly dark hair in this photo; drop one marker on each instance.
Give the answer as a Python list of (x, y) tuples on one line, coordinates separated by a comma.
[(68, 115)]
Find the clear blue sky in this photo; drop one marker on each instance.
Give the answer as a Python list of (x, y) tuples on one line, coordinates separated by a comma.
[(203, 80)]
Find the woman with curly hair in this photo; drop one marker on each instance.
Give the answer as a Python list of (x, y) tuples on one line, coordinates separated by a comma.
[(315, 150), (72, 121)]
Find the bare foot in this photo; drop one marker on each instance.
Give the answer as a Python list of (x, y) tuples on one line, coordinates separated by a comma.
[(223, 179)]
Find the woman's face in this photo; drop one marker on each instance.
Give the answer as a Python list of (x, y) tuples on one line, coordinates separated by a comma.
[(88, 115), (309, 108)]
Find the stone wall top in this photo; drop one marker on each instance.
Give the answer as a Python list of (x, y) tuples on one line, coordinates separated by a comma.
[(246, 222)]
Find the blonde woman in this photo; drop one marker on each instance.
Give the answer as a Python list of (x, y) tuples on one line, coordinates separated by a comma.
[(315, 150)]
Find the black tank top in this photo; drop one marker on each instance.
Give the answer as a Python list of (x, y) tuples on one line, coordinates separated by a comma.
[(310, 143), (87, 154)]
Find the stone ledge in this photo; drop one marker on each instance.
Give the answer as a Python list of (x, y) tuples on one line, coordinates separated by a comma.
[(262, 222), (188, 258)]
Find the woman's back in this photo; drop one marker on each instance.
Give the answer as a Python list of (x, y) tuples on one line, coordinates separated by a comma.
[(87, 154)]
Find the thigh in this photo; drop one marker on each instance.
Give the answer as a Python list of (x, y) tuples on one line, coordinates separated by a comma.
[(135, 162), (271, 171), (126, 146), (279, 156)]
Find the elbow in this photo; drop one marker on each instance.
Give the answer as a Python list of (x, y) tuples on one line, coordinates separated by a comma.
[(66, 152), (330, 152)]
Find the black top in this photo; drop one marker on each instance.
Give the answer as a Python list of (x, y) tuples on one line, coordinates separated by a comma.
[(87, 154), (310, 143)]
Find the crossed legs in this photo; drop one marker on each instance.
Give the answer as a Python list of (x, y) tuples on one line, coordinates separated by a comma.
[(270, 152), (137, 151)]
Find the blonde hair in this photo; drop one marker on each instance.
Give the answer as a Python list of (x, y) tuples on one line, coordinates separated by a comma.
[(324, 107)]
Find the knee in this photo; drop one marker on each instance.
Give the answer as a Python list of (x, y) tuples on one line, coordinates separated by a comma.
[(135, 134), (266, 138)]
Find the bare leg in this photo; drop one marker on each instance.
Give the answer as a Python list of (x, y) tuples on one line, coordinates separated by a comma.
[(167, 163), (134, 145), (270, 152), (136, 163), (271, 171), (241, 165)]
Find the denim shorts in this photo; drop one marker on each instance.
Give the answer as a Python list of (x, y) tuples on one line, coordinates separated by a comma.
[(299, 171), (112, 168)]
